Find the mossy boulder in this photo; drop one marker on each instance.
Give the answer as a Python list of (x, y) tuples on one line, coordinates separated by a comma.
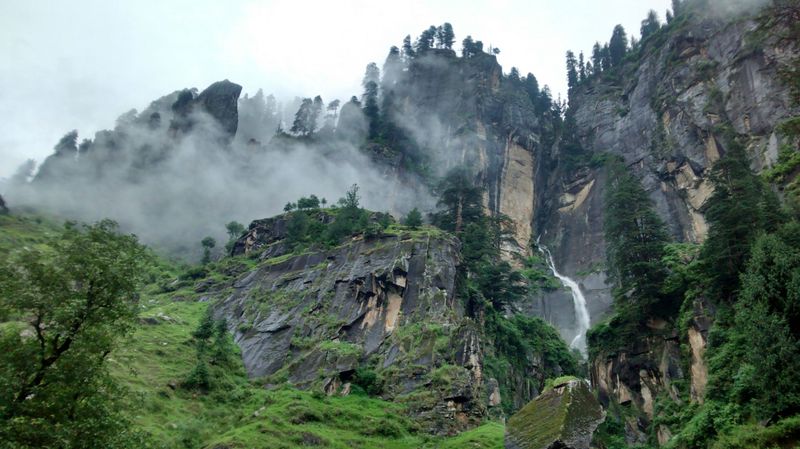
[(564, 417)]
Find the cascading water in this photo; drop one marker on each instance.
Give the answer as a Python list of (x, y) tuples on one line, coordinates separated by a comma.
[(578, 301)]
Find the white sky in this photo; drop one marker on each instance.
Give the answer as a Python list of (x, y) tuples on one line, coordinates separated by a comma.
[(79, 64)]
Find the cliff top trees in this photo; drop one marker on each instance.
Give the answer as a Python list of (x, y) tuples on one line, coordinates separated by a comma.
[(618, 45), (462, 200), (572, 69), (650, 25), (446, 36)]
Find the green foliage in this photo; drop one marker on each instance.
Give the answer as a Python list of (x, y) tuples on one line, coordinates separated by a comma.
[(413, 219), (754, 352), (635, 239), (208, 243), (368, 380), (739, 209), (75, 297), (461, 198), (517, 338)]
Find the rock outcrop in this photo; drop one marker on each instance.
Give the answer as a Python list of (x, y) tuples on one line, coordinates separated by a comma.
[(386, 304), (3, 207), (564, 417), (220, 100)]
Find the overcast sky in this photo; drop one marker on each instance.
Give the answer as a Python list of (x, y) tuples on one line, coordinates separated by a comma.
[(69, 64)]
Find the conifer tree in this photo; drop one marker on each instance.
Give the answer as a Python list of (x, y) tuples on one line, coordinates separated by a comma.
[(572, 70), (635, 239), (650, 25), (448, 36), (739, 209), (618, 45)]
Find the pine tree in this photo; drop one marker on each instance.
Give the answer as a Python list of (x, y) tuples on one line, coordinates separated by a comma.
[(618, 45), (597, 57), (572, 70), (316, 111), (581, 68), (463, 201), (302, 119), (650, 25), (635, 239), (414, 219), (467, 47), (739, 209), (408, 49), (448, 36)]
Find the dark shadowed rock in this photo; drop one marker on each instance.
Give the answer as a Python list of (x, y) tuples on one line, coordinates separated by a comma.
[(220, 100), (562, 418), (3, 207)]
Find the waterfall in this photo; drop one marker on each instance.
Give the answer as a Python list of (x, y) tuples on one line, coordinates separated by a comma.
[(578, 301)]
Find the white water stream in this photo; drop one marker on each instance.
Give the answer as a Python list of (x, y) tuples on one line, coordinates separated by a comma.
[(578, 301)]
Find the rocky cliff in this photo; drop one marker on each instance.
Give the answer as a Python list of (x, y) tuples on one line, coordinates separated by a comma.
[(670, 111)]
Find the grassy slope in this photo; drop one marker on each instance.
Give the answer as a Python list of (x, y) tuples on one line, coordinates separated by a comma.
[(242, 414), (153, 361)]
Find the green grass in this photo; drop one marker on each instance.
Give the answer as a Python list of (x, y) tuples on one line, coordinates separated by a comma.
[(487, 436), (17, 231), (236, 412), (241, 414)]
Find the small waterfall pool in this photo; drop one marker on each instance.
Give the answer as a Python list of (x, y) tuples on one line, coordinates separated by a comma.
[(578, 301)]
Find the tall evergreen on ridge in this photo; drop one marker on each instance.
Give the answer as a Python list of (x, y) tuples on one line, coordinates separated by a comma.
[(635, 239)]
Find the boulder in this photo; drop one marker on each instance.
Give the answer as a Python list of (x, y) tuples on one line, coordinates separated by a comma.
[(564, 417)]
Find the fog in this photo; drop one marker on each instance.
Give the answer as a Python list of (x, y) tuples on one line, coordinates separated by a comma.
[(172, 185)]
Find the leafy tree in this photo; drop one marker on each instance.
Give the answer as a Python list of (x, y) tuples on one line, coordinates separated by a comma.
[(235, 229), (290, 206), (208, 244), (618, 45), (635, 239), (650, 25), (413, 219), (312, 202), (297, 228), (351, 198), (462, 200), (72, 303)]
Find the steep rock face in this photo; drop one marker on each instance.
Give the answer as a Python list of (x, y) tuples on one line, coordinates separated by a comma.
[(387, 304), (653, 364), (562, 418), (462, 111), (672, 111), (220, 100)]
